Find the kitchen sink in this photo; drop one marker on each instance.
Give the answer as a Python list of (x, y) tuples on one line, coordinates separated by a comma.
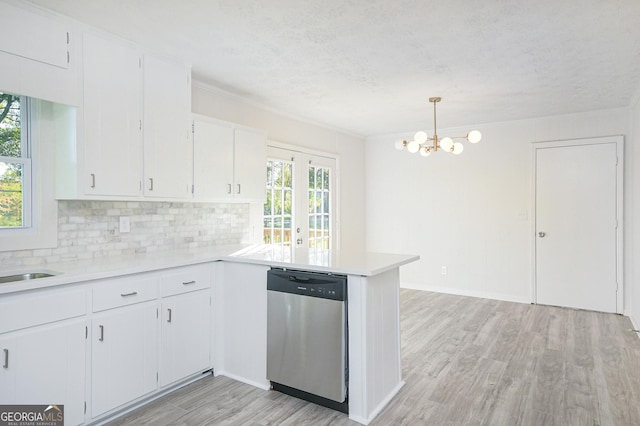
[(25, 276)]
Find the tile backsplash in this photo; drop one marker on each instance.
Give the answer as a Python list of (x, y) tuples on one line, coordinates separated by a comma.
[(90, 230)]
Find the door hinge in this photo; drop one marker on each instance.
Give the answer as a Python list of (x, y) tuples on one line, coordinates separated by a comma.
[(67, 37), (193, 189), (193, 127)]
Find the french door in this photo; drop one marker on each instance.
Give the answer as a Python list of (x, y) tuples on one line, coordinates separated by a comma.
[(300, 201)]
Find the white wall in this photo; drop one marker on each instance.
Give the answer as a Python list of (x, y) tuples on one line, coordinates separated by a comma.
[(632, 216), (215, 103), (471, 213)]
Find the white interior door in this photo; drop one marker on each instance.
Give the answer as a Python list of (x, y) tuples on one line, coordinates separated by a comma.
[(300, 208), (578, 202)]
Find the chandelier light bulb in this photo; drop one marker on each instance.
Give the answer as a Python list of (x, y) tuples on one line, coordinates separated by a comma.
[(446, 144), (413, 147), (425, 151), (399, 144), (457, 148), (474, 136), (420, 137)]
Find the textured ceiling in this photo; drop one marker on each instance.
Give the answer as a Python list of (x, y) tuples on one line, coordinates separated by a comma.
[(369, 66)]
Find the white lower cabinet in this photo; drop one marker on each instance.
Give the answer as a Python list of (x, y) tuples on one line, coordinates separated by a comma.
[(185, 336), (43, 350), (45, 365), (124, 360)]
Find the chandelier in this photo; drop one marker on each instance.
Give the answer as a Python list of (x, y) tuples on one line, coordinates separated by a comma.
[(426, 145)]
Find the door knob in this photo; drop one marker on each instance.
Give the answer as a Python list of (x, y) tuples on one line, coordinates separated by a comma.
[(299, 241), (541, 234)]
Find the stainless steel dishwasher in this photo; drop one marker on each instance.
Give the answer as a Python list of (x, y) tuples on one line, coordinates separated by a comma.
[(307, 355)]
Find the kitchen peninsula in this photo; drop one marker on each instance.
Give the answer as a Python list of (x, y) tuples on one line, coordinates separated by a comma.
[(234, 279)]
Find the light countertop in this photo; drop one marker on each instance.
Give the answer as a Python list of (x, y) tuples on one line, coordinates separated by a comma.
[(346, 263)]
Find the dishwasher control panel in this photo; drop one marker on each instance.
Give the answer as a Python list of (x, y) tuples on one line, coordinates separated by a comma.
[(305, 283)]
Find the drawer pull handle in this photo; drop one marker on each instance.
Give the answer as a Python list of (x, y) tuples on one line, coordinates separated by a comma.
[(101, 338), (238, 188), (189, 282), (6, 359), (228, 188), (133, 293), (93, 180), (169, 319)]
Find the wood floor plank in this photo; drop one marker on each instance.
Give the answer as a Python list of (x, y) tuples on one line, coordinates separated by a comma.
[(465, 361)]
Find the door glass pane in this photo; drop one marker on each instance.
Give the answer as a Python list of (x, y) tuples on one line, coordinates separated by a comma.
[(278, 210), (319, 208)]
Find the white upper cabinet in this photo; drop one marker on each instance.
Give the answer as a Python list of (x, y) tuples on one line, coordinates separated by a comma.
[(37, 53), (134, 130), (212, 158), (112, 117), (250, 163), (167, 138), (229, 161), (37, 36)]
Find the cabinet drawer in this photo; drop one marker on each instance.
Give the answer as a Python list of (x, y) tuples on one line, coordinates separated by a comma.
[(124, 291), (22, 311), (185, 279)]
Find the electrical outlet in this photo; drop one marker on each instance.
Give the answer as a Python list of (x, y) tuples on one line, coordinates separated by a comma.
[(125, 224), (444, 270)]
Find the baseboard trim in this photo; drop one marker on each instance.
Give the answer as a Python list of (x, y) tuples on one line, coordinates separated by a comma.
[(262, 385), (462, 292)]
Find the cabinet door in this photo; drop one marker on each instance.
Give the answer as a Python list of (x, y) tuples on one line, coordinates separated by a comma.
[(34, 35), (45, 365), (212, 159), (250, 164), (124, 358), (112, 114), (186, 337), (167, 130)]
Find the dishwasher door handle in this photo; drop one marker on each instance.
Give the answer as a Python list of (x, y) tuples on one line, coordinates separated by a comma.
[(299, 279)]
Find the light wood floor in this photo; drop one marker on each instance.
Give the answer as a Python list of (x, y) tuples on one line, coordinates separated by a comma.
[(466, 361)]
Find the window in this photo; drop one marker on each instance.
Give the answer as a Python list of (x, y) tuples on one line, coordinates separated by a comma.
[(28, 131), (15, 164)]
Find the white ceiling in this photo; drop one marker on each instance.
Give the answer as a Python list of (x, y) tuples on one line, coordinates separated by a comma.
[(369, 66)]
